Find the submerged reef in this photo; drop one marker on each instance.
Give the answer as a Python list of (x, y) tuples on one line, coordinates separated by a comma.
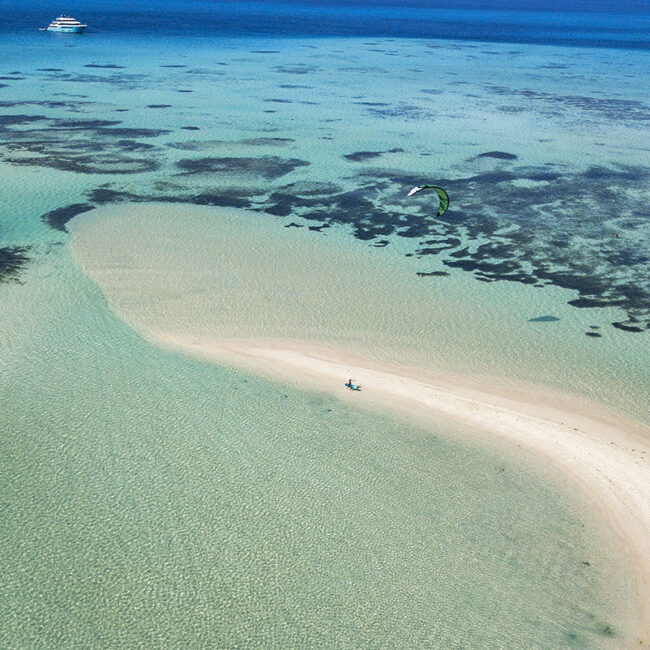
[(58, 218), (266, 167), (541, 225), (509, 225), (501, 225), (12, 261), (362, 156), (86, 146)]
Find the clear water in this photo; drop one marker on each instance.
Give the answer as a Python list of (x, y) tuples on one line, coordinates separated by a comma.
[(150, 499)]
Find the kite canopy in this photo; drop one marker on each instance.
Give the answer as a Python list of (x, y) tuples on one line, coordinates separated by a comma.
[(442, 195)]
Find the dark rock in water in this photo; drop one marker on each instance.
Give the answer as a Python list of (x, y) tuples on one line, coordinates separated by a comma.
[(319, 228), (364, 235), (127, 132), (267, 167), (588, 302), (225, 198), (627, 328), (360, 156), (593, 335), (105, 195), (159, 105), (278, 210), (543, 319), (11, 120), (437, 274), (300, 68), (292, 225), (133, 145), (189, 128), (58, 218), (12, 260), (267, 142), (108, 66), (499, 155), (90, 125), (222, 199), (89, 164)]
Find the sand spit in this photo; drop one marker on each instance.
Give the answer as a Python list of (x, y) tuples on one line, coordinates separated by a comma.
[(605, 453), (610, 458)]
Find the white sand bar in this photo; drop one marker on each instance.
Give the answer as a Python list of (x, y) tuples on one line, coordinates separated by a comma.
[(156, 291)]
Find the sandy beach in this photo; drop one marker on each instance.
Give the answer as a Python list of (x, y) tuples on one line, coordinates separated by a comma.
[(607, 456), (162, 292)]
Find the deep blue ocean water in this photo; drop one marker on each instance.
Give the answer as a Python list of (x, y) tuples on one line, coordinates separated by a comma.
[(587, 24)]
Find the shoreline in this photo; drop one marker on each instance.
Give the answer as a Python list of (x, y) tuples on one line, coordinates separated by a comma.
[(210, 303), (607, 456)]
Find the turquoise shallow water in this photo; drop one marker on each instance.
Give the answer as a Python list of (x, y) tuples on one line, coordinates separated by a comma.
[(541, 149), (149, 499)]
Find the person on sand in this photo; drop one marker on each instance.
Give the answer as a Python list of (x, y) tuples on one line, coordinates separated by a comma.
[(349, 384)]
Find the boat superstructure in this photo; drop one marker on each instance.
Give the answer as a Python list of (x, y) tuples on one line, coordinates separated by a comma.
[(66, 24)]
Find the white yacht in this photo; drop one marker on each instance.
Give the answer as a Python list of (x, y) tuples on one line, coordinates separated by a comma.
[(65, 24)]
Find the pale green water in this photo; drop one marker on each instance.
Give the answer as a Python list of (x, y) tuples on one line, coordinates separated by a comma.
[(149, 499)]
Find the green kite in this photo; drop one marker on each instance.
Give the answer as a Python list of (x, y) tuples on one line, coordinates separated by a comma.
[(442, 195)]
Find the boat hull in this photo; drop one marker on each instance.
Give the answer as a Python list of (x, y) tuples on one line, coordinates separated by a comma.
[(69, 29)]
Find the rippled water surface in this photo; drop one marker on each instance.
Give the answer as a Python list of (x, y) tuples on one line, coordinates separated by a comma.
[(151, 499)]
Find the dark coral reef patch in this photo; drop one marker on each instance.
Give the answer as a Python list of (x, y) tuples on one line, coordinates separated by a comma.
[(90, 146), (267, 167), (506, 225), (499, 155), (361, 156), (224, 198), (58, 218), (107, 66), (12, 260)]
